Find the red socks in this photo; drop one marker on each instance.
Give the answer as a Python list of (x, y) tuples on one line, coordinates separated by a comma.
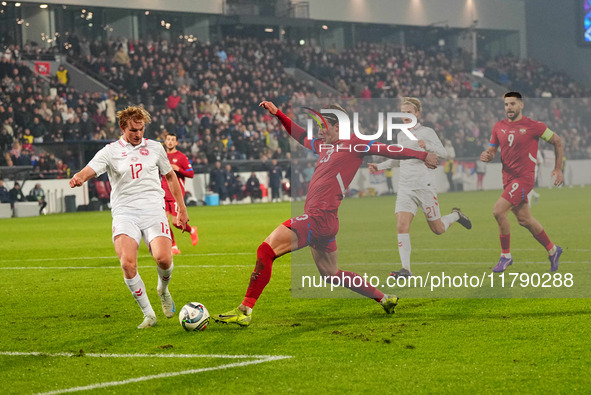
[(186, 228), (544, 240), (261, 275), (172, 237), (505, 243), (355, 282)]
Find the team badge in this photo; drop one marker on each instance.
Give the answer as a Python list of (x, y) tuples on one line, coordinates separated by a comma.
[(522, 131), (144, 151), (175, 160)]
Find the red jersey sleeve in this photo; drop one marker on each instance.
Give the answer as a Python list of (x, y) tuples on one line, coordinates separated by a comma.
[(297, 132), (494, 139), (539, 128), (186, 170)]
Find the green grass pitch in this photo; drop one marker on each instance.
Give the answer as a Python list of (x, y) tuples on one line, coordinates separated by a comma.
[(63, 296)]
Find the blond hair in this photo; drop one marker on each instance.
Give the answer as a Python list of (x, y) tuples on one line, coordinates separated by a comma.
[(133, 113), (413, 101)]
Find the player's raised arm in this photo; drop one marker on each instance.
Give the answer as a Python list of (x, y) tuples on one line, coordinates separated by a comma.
[(294, 130), (558, 153), (173, 184), (81, 177), (399, 152)]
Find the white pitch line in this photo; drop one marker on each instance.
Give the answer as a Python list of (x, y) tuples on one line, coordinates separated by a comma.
[(252, 253), (104, 355), (115, 257), (250, 265), (258, 359), (464, 249), (110, 267)]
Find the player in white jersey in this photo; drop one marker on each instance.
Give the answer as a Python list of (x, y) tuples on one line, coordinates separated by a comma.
[(416, 186), (134, 166)]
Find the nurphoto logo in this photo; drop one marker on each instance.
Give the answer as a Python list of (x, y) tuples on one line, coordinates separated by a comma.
[(344, 123)]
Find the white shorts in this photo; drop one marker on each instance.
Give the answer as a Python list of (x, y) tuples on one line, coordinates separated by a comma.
[(409, 201), (139, 226)]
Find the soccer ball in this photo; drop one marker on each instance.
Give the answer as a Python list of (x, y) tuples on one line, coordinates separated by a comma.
[(194, 317)]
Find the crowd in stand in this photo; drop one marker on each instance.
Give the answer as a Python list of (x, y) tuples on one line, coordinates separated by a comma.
[(208, 95), (532, 78)]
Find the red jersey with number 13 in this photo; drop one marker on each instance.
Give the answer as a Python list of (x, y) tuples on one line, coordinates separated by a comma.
[(518, 142)]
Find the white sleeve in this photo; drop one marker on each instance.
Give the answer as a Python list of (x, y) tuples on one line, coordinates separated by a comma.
[(433, 144), (388, 164), (100, 161), (163, 163)]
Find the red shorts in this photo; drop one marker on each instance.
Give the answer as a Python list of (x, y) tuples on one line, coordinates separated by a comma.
[(516, 190), (171, 207), (316, 229)]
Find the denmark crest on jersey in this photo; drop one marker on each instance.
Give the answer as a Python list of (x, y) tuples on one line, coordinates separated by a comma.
[(522, 130), (144, 151)]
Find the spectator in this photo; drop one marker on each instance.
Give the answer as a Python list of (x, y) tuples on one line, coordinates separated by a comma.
[(217, 181), (121, 57), (253, 187), (173, 101), (62, 75), (38, 195), (4, 195), (450, 164), (230, 183), (275, 177), (16, 194)]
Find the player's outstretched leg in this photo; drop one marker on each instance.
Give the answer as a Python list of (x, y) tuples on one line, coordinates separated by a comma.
[(356, 283), (175, 250), (328, 267), (194, 235), (192, 230), (554, 259), (463, 218), (526, 220), (259, 279), (389, 302)]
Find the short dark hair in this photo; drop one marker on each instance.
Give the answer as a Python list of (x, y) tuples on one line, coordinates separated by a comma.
[(172, 134), (331, 117), (513, 94)]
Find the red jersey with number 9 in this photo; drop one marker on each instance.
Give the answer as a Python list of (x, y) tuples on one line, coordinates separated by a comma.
[(518, 142)]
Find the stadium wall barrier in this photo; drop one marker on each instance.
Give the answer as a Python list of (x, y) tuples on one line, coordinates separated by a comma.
[(576, 173)]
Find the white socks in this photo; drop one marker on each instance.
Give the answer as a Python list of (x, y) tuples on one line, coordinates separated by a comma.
[(138, 290), (404, 249), (450, 219), (164, 277)]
